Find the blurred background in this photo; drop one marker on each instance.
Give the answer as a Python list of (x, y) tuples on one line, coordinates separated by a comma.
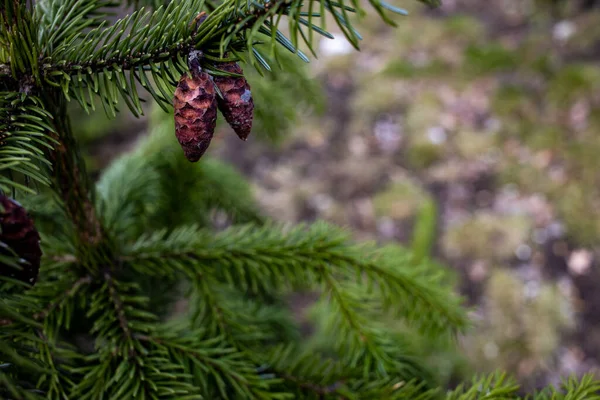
[(484, 115)]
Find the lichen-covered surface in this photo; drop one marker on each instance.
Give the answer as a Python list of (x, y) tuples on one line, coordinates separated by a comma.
[(490, 109)]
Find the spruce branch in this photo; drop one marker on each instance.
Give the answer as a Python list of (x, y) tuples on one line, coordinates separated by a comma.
[(58, 21), (266, 260), (118, 306), (109, 61), (495, 386), (157, 377), (24, 138), (219, 370), (59, 301), (248, 325), (70, 180), (128, 195), (307, 374), (573, 388)]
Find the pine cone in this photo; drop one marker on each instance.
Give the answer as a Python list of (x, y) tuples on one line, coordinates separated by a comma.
[(236, 105), (19, 233), (195, 114)]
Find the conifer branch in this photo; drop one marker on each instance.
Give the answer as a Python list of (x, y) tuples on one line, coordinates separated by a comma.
[(71, 182), (307, 373), (211, 311), (24, 138), (118, 306), (209, 359), (58, 21), (266, 260), (59, 301), (110, 60)]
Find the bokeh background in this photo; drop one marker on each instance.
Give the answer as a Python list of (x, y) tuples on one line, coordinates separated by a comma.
[(484, 115)]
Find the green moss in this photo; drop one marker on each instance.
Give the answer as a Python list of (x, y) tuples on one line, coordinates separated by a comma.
[(577, 205), (400, 68), (517, 108), (431, 34), (509, 99), (423, 155), (423, 113), (546, 137), (510, 339), (400, 200), (482, 59), (472, 144), (574, 81), (487, 236), (377, 95)]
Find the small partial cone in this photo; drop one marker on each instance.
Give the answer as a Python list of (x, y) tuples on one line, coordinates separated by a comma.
[(236, 105), (18, 232), (195, 114)]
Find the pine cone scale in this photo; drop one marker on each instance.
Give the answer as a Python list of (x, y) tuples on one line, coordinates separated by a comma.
[(20, 235), (236, 105), (195, 114)]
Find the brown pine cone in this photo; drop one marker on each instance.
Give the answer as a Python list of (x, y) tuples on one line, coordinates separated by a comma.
[(236, 105), (19, 233), (195, 113)]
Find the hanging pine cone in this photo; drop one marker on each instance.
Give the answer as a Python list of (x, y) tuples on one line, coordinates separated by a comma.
[(195, 113), (236, 105), (19, 233)]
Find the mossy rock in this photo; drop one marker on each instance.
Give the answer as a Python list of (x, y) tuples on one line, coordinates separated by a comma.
[(517, 109), (487, 236), (546, 137), (473, 144), (423, 113), (509, 338), (572, 82), (578, 206), (378, 95), (424, 154), (526, 176), (464, 27), (432, 34), (402, 68), (490, 58), (399, 201)]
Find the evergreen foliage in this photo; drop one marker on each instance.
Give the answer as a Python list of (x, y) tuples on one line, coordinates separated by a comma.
[(120, 255)]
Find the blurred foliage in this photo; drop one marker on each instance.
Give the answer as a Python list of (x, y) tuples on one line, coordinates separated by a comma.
[(522, 326), (490, 58), (487, 236), (276, 111), (400, 200)]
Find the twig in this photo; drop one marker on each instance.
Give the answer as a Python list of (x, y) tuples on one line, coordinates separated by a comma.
[(118, 303), (70, 178), (68, 293)]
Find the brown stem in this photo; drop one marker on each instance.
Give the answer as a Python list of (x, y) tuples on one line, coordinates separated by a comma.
[(70, 178), (68, 293), (118, 304)]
